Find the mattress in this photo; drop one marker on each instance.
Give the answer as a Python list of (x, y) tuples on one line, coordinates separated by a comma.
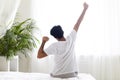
[(39, 76)]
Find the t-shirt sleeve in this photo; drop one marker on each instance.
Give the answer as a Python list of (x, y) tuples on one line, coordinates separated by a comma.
[(72, 35), (51, 50)]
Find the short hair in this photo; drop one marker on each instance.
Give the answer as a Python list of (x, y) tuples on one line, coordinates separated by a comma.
[(57, 32)]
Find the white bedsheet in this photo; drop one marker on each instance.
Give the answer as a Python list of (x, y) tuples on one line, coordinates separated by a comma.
[(38, 76)]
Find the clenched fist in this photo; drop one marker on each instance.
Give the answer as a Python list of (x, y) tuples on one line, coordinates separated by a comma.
[(45, 39), (85, 5)]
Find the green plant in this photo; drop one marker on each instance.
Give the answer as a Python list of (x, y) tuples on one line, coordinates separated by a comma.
[(18, 38)]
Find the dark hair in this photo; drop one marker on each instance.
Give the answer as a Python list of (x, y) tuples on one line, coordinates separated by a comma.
[(57, 31)]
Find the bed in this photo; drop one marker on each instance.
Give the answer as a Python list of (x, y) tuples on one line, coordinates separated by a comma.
[(38, 76)]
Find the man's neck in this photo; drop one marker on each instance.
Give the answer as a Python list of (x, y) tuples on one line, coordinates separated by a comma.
[(61, 39)]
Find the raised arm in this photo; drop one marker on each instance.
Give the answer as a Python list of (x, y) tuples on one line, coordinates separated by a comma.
[(76, 26), (41, 52)]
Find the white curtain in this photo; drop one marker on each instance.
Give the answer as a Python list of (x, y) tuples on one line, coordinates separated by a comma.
[(98, 39), (8, 9)]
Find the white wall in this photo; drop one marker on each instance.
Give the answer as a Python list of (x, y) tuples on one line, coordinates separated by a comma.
[(25, 9)]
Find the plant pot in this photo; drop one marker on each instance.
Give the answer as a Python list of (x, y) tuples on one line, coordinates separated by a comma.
[(4, 64), (9, 65), (14, 63)]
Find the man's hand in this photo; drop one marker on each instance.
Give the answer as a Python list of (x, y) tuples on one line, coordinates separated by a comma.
[(85, 5), (45, 39)]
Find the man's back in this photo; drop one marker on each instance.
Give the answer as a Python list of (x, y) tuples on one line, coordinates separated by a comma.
[(64, 56)]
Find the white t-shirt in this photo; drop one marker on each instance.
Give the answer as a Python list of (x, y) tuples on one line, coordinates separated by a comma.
[(64, 55)]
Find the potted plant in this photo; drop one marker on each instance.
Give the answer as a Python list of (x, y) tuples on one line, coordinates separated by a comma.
[(18, 38)]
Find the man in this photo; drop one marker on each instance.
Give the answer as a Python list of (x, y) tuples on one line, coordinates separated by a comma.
[(65, 65)]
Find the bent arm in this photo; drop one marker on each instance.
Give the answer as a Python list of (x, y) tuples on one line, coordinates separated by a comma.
[(41, 52), (76, 26)]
